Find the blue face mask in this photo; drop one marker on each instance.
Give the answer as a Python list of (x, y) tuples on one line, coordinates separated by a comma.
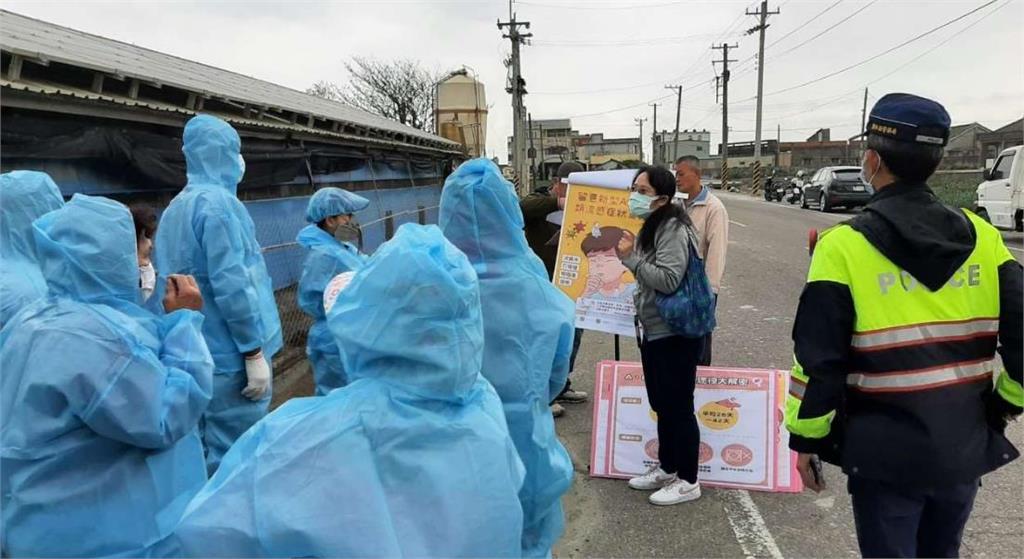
[(640, 205)]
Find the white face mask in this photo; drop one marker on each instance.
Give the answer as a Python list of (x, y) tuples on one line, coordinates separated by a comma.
[(863, 176), (147, 280), (241, 163)]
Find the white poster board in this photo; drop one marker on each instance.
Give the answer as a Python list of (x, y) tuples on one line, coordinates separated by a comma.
[(739, 411), (587, 268)]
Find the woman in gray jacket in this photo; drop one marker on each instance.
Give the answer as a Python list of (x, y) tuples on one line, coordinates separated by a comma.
[(658, 257)]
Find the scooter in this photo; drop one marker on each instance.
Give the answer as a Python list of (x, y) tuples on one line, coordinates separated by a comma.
[(795, 194), (774, 190)]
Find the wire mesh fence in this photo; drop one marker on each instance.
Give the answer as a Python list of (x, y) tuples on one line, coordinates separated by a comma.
[(278, 222)]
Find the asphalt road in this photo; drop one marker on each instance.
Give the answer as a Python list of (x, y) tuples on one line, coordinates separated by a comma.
[(767, 264), (765, 271)]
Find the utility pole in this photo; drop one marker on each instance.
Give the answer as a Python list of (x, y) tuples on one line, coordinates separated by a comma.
[(679, 108), (641, 121), (654, 136), (763, 14), (724, 81), (778, 145), (543, 154), (517, 87), (864, 123), (533, 152)]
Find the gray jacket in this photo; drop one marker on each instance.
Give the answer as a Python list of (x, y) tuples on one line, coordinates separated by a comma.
[(659, 271)]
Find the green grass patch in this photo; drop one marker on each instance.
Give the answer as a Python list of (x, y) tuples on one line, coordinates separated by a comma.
[(956, 189)]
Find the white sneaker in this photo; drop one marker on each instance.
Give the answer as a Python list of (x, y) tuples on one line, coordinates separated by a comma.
[(655, 478), (679, 491)]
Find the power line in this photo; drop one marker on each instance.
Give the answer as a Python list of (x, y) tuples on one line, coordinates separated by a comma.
[(752, 57), (662, 98), (804, 24), (568, 6), (885, 52), (835, 99), (747, 70), (826, 30), (626, 42), (944, 41), (612, 89)]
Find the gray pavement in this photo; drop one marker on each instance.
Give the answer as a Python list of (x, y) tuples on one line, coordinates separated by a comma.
[(767, 264)]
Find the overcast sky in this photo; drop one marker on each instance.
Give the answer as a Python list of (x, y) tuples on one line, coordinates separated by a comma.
[(602, 62)]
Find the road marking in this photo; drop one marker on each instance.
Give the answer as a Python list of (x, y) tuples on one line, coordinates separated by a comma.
[(748, 525), (736, 223)]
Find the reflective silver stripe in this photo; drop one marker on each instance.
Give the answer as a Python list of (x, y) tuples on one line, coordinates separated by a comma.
[(797, 388), (924, 333), (922, 379)]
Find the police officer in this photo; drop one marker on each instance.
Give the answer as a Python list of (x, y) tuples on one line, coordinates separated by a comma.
[(896, 377)]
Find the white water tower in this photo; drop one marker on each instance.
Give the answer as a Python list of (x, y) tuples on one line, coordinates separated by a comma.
[(460, 111)]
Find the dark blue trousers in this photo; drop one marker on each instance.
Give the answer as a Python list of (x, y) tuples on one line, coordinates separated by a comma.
[(894, 521)]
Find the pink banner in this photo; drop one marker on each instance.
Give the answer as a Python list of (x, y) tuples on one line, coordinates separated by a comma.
[(739, 411)]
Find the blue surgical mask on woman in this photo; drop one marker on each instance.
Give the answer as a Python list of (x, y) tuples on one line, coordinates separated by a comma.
[(640, 205)]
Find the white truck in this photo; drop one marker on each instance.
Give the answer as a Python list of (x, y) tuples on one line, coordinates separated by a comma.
[(999, 196)]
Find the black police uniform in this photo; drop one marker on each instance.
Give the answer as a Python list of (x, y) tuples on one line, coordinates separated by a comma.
[(889, 435)]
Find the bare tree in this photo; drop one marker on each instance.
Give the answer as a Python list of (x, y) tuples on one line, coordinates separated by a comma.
[(325, 89), (401, 90)]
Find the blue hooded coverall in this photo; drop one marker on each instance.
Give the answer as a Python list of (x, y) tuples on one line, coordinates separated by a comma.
[(411, 459), (528, 333), (326, 257), (99, 399), (206, 232), (24, 196)]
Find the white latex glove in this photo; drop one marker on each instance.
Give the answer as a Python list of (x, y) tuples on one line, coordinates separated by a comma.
[(257, 371)]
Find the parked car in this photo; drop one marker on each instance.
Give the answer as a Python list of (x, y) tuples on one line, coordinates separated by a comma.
[(833, 187), (999, 197)]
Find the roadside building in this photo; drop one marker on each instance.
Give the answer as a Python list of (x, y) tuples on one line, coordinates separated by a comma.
[(818, 151), (963, 151), (997, 140), (551, 141), (595, 149), (691, 142)]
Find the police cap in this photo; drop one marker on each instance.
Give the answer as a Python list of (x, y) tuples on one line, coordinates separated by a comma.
[(909, 118)]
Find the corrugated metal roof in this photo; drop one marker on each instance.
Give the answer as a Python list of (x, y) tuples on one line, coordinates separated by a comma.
[(77, 93), (45, 41)]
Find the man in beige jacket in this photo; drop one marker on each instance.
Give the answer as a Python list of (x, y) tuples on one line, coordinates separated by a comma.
[(712, 224)]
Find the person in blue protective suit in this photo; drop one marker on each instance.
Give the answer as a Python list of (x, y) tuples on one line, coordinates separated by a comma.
[(206, 232), (99, 399), (329, 210), (528, 334), (24, 196), (411, 459)]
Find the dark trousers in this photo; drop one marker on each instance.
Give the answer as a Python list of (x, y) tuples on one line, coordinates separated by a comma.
[(670, 373), (896, 521), (705, 355), (576, 339)]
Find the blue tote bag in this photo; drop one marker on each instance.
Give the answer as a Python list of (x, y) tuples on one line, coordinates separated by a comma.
[(690, 310)]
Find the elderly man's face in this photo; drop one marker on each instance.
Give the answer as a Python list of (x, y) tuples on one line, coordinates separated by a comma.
[(687, 179)]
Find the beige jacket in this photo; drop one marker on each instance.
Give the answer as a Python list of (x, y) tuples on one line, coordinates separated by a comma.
[(712, 224)]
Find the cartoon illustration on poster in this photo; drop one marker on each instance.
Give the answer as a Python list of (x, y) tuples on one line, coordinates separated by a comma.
[(736, 415), (588, 269)]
